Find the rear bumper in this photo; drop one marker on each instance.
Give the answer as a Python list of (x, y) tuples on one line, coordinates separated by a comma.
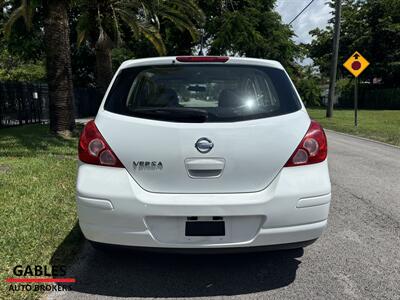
[(113, 209), (278, 237)]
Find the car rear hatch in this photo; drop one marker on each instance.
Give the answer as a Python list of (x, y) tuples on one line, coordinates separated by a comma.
[(202, 128)]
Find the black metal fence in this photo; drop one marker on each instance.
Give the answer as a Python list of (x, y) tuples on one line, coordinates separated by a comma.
[(26, 103), (377, 98)]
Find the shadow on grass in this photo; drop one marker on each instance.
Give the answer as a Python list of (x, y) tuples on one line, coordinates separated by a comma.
[(69, 249), (129, 273)]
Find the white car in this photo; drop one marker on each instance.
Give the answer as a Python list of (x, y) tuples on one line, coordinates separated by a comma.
[(202, 153)]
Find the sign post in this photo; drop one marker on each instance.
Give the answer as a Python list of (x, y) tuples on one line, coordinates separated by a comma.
[(356, 64), (355, 101)]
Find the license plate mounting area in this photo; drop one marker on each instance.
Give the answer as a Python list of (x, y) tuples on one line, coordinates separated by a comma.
[(215, 226)]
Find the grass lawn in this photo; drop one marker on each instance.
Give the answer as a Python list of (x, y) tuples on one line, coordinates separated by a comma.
[(380, 125), (38, 220)]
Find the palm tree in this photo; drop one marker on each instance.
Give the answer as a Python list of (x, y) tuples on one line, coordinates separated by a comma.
[(101, 21), (58, 58)]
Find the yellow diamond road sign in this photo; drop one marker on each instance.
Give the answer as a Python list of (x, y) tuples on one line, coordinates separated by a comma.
[(356, 64)]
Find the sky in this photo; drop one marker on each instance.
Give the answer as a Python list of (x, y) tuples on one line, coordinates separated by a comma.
[(316, 15)]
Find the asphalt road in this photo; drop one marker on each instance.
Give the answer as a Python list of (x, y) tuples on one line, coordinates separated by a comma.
[(358, 257)]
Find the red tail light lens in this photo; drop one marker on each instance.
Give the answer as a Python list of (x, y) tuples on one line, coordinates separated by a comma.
[(202, 58), (93, 149), (312, 149)]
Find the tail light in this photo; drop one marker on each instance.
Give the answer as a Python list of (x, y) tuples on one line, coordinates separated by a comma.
[(93, 148), (312, 149)]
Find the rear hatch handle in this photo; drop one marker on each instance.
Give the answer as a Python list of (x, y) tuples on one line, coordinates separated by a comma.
[(204, 167)]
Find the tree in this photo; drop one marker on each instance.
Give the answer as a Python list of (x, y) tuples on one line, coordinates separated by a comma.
[(371, 27), (21, 54), (102, 23), (58, 64), (235, 27), (15, 69), (308, 84), (248, 28), (57, 51)]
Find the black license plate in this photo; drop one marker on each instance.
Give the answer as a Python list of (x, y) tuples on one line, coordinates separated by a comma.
[(205, 228)]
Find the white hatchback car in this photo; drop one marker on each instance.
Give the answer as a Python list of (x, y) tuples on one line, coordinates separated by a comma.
[(202, 152)]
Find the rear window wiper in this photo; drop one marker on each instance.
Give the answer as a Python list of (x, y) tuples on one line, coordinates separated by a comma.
[(178, 114)]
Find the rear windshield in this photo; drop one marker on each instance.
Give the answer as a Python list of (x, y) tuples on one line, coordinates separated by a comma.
[(202, 93)]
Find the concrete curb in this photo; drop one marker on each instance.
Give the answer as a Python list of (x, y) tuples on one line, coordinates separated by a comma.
[(362, 138)]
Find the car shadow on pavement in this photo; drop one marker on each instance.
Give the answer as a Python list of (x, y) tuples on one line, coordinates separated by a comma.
[(129, 273)]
